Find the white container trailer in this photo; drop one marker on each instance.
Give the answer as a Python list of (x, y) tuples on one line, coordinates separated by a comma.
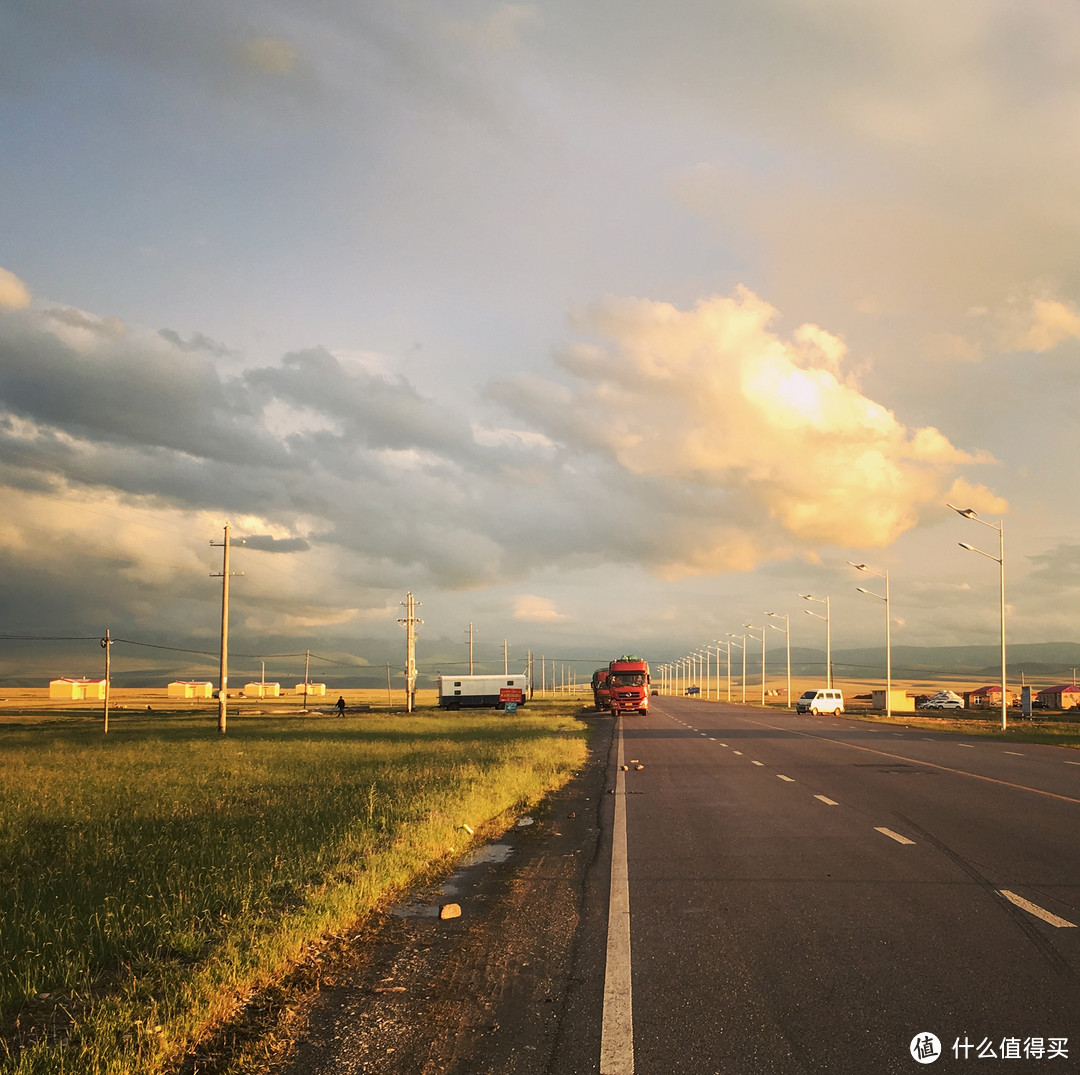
[(473, 692)]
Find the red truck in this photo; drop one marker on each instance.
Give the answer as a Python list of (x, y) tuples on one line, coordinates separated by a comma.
[(628, 684), (601, 694)]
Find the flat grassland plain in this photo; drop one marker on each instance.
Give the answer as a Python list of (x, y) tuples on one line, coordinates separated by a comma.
[(157, 876)]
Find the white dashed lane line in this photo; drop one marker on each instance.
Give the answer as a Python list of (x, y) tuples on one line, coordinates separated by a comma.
[(826, 800), (788, 779), (1014, 753), (761, 763), (893, 835), (1037, 911), (739, 752)]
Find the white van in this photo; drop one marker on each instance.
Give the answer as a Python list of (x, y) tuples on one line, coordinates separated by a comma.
[(820, 701)]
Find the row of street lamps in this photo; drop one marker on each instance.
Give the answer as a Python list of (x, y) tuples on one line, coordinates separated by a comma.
[(682, 669)]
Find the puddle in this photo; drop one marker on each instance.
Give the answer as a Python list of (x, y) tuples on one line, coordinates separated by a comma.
[(455, 884), (485, 854)]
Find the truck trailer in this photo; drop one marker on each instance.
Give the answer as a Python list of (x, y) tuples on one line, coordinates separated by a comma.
[(479, 692)]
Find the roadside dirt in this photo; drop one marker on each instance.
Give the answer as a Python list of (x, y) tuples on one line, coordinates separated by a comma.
[(480, 994)]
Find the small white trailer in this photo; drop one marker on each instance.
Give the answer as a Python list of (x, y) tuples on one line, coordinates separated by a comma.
[(475, 692)]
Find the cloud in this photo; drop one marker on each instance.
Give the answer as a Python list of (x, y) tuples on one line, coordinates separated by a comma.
[(680, 441), (498, 31), (268, 55), (1039, 325), (771, 444), (14, 294), (532, 609), (269, 543), (964, 494)]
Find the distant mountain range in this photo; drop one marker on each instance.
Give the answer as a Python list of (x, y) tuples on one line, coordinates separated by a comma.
[(1056, 660)]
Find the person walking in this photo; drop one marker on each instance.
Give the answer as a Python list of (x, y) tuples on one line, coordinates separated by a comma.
[(341, 706)]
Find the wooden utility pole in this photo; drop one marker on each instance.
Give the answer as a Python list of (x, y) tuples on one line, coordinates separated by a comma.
[(223, 677), (389, 689), (410, 623), (106, 643)]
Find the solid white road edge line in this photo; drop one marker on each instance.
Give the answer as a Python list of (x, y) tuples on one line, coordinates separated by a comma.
[(1034, 909), (617, 1029)]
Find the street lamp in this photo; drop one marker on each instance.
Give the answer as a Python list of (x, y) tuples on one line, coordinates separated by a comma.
[(888, 629), (751, 627), (742, 646), (970, 513), (787, 637), (727, 665), (717, 643), (828, 632)]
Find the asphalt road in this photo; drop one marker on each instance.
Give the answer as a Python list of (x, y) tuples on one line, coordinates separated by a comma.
[(768, 893), (811, 894)]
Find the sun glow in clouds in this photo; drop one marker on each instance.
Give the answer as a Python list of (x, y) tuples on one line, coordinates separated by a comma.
[(712, 399)]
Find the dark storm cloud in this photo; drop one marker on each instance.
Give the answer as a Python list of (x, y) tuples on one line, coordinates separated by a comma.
[(125, 390), (373, 410), (267, 543)]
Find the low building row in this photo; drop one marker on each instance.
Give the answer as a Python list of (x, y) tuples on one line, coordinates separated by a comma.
[(78, 690)]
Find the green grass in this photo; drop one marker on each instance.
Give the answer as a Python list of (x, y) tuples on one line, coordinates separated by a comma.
[(154, 878), (1060, 733)]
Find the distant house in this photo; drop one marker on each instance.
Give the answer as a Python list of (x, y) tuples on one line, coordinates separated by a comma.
[(311, 688), (183, 689), (262, 690), (77, 690), (986, 697), (1063, 697)]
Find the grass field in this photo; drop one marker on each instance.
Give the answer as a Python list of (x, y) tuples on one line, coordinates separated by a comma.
[(157, 876)]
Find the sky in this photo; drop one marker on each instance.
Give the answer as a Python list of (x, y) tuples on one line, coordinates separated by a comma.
[(600, 327)]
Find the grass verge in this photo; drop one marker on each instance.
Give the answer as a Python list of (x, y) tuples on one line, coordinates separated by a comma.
[(157, 877), (1058, 733)]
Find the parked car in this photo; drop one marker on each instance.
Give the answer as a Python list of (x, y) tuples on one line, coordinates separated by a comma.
[(943, 703)]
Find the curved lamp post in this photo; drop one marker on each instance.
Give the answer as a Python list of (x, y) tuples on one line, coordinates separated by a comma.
[(970, 513), (828, 632), (727, 665), (742, 646), (787, 639), (888, 629), (751, 627)]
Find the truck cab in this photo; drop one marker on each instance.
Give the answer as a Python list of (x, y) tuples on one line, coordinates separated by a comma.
[(601, 691), (628, 684)]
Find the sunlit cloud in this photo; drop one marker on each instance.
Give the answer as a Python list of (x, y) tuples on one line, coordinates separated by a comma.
[(786, 451), (14, 294), (1039, 325), (532, 609)]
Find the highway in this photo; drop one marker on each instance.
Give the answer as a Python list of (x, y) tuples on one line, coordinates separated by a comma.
[(767, 893), (813, 894)]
